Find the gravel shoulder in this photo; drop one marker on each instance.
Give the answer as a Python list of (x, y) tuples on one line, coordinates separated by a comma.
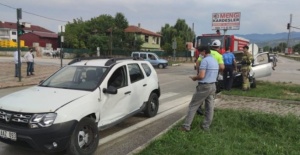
[(280, 107)]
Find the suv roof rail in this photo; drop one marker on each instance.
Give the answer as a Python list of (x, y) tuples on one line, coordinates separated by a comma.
[(108, 63), (87, 58), (114, 60)]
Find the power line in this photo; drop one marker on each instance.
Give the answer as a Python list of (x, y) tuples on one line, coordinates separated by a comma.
[(35, 14)]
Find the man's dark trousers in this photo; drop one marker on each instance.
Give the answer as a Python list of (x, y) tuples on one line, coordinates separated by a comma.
[(228, 71)]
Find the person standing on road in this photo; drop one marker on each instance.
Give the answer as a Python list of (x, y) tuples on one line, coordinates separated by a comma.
[(274, 60), (247, 59), (215, 47), (29, 59), (205, 90), (16, 59), (230, 66)]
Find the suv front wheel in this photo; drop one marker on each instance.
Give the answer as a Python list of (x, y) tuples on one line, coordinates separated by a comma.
[(85, 138), (152, 105)]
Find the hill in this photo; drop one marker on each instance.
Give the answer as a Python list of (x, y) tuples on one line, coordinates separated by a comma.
[(272, 39)]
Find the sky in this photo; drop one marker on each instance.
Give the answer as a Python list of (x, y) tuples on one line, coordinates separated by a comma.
[(257, 16)]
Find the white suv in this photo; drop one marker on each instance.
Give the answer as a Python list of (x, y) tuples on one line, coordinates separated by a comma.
[(67, 110)]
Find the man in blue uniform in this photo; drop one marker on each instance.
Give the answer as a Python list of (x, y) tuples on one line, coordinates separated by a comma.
[(230, 66), (205, 91)]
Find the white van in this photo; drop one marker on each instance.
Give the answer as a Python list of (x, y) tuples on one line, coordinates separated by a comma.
[(152, 58)]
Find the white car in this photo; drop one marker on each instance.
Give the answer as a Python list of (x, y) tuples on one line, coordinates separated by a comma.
[(67, 110), (261, 67)]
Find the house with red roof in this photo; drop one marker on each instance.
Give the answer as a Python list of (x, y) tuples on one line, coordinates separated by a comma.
[(34, 35), (152, 40)]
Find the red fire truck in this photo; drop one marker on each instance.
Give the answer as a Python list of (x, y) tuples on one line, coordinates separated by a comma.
[(233, 42)]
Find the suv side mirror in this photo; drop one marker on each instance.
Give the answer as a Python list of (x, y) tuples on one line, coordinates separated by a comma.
[(110, 90)]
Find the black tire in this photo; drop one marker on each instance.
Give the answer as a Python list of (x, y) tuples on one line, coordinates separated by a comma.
[(80, 146), (253, 84), (219, 86), (160, 66), (152, 105)]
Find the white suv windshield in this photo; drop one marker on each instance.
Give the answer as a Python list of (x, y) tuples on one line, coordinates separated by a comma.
[(76, 77)]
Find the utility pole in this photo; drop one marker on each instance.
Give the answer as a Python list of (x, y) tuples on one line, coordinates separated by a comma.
[(111, 44), (19, 16), (289, 28)]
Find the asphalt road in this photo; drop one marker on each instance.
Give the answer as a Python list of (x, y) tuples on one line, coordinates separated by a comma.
[(176, 89)]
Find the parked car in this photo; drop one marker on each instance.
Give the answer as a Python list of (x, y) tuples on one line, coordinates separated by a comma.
[(152, 58), (67, 110), (261, 67)]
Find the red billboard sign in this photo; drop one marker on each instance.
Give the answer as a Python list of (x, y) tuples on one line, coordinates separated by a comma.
[(226, 21)]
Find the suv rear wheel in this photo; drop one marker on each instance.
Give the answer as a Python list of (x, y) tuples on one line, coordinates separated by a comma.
[(85, 138), (152, 105)]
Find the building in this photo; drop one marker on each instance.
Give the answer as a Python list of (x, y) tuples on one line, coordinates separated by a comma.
[(41, 39), (34, 35), (152, 40)]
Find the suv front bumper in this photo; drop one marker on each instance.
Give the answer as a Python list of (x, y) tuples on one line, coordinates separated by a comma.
[(42, 139)]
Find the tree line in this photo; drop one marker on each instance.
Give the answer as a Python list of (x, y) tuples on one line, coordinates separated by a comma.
[(281, 48), (107, 33)]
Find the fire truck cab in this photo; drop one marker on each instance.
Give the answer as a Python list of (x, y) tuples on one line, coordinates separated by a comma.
[(233, 42)]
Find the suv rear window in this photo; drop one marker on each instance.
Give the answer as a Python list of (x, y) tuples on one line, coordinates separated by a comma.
[(147, 69), (135, 72)]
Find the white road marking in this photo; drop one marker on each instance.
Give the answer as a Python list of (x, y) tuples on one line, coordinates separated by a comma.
[(166, 109), (167, 95)]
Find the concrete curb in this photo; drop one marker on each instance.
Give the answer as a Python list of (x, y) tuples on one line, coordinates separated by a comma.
[(176, 64)]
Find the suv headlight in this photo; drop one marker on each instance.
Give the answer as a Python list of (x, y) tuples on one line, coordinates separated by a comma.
[(42, 120)]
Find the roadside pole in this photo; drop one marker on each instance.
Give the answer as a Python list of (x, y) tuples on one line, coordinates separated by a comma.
[(288, 41), (61, 29), (98, 51), (19, 16), (174, 46)]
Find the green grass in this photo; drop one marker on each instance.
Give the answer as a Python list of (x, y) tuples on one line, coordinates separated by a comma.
[(278, 90), (233, 132)]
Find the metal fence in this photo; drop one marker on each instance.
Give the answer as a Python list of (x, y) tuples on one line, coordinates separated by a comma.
[(114, 52), (13, 49)]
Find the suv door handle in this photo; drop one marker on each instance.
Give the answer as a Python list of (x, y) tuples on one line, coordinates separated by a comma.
[(127, 92), (144, 85)]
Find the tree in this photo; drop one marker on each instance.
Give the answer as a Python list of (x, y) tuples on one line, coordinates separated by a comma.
[(120, 24), (168, 48), (281, 46), (104, 31), (296, 48), (75, 34), (266, 48), (180, 31)]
